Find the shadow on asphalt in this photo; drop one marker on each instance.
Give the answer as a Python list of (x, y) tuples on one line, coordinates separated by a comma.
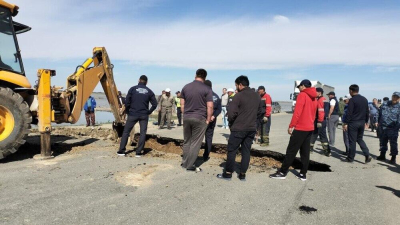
[(393, 168), (394, 191), (58, 147)]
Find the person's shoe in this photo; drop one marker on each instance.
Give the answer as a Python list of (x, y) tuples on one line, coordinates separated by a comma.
[(348, 160), (225, 176), (179, 125), (328, 152), (242, 176), (138, 155), (302, 177), (382, 156), (368, 159), (393, 160), (121, 153), (194, 169), (278, 175)]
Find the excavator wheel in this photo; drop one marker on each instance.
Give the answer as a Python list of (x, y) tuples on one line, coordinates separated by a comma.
[(15, 121)]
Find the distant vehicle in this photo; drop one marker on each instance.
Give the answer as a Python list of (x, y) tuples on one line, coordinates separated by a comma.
[(276, 107), (314, 83)]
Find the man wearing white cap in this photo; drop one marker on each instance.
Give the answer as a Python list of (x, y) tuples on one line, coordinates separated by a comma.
[(346, 100), (166, 103)]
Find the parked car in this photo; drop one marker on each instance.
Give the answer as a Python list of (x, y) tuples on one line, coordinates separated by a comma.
[(276, 107)]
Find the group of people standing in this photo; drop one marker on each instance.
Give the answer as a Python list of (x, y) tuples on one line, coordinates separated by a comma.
[(246, 110)]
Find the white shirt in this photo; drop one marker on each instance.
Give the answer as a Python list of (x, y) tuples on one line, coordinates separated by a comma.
[(332, 102)]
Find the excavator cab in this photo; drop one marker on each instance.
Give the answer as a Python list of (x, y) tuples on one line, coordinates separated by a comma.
[(12, 72), (10, 57)]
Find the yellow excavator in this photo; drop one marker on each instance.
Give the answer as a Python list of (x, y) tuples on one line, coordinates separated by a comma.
[(22, 105)]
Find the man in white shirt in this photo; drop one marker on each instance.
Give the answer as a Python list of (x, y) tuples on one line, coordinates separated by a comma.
[(333, 117)]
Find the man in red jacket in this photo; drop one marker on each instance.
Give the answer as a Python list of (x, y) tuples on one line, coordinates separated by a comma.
[(300, 128), (266, 121), (320, 125)]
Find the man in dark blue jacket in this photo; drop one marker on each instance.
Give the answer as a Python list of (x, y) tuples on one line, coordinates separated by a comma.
[(137, 106), (213, 122), (89, 108)]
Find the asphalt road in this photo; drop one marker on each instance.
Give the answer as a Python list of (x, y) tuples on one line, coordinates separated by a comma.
[(90, 185)]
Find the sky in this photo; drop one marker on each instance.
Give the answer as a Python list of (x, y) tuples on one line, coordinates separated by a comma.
[(274, 42)]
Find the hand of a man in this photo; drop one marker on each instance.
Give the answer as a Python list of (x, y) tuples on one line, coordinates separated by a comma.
[(345, 127), (212, 118), (290, 131), (376, 125), (366, 126), (319, 125), (265, 119)]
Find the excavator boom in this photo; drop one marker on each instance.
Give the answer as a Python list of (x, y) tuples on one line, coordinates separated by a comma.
[(65, 106)]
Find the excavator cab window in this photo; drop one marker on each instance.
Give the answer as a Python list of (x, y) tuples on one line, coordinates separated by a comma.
[(10, 58)]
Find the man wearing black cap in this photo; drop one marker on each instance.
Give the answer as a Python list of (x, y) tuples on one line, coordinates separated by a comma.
[(333, 117), (266, 120), (137, 106), (320, 125), (357, 120), (300, 130), (211, 125)]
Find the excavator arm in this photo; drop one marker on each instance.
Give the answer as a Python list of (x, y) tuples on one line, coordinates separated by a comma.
[(65, 106)]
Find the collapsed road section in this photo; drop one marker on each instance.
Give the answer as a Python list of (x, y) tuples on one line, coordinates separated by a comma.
[(263, 159)]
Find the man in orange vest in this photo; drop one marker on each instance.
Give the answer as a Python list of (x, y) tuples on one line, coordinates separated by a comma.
[(266, 121)]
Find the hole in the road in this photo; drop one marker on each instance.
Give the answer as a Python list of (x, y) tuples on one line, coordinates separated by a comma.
[(222, 149), (307, 209)]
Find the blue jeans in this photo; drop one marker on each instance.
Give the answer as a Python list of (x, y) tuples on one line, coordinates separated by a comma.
[(224, 117)]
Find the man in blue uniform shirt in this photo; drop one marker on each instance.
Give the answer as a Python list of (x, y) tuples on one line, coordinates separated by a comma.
[(389, 120), (211, 126), (137, 106)]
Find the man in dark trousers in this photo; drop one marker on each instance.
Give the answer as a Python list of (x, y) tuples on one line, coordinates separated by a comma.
[(320, 125), (389, 120), (266, 120), (213, 122), (197, 108), (243, 112), (300, 129), (357, 120), (137, 106)]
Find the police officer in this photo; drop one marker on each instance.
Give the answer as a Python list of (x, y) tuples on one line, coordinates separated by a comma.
[(320, 125), (178, 107), (137, 106), (211, 126), (389, 120)]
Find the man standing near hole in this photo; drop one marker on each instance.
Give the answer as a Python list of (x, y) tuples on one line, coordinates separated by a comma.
[(197, 108), (300, 130), (137, 105), (243, 112), (166, 103), (213, 122)]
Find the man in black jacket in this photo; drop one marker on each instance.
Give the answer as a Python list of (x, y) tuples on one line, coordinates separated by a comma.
[(243, 112), (137, 106), (357, 120)]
